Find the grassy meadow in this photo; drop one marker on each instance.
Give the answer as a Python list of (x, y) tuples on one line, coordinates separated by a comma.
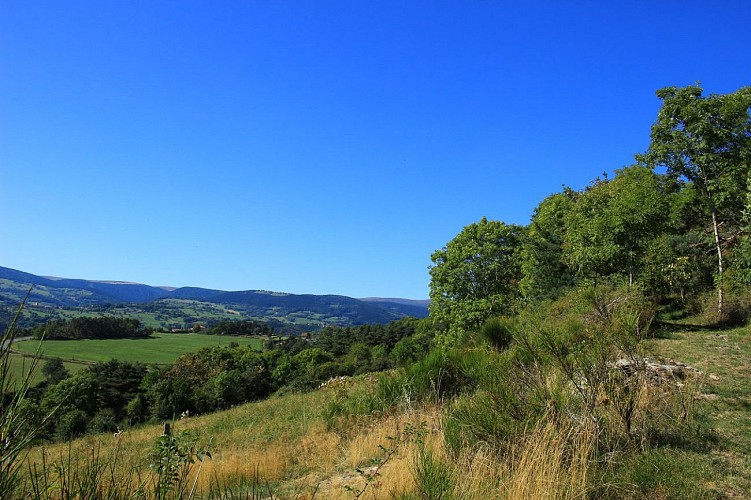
[(19, 365), (286, 447), (160, 348), (724, 402)]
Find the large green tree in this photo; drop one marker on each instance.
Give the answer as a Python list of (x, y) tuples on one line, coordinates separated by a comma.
[(610, 226), (706, 141), (475, 276)]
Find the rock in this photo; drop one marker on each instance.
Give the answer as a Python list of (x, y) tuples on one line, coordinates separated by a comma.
[(668, 370), (700, 396)]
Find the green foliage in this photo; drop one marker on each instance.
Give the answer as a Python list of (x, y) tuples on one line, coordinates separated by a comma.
[(245, 327), (208, 380), (71, 424), (740, 257), (497, 333), (91, 328), (560, 365), (707, 141), (474, 277), (438, 375), (54, 371), (104, 420), (339, 340), (96, 398), (545, 272), (172, 459), (660, 473), (611, 224)]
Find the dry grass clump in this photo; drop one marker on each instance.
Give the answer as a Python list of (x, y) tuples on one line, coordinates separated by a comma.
[(552, 462), (377, 458)]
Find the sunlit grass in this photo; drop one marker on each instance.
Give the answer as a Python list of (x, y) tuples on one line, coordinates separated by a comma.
[(19, 366), (284, 445), (160, 348), (724, 357)]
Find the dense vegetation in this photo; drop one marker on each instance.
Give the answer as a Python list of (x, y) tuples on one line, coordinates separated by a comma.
[(241, 328), (113, 394), (534, 364), (675, 225)]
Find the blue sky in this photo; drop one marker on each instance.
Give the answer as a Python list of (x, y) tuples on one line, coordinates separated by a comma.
[(319, 146)]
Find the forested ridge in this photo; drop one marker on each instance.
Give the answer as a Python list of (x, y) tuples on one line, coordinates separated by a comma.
[(676, 224)]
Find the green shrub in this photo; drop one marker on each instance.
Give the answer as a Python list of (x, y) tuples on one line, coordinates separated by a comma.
[(497, 332), (736, 308), (104, 421), (389, 391), (438, 375), (660, 473), (71, 425)]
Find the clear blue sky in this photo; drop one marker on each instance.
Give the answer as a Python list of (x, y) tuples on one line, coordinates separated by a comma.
[(318, 146)]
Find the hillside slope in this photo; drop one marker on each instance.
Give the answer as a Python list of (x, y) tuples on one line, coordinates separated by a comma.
[(182, 307), (286, 447)]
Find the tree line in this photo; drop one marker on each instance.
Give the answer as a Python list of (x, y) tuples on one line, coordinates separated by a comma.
[(115, 394), (105, 327)]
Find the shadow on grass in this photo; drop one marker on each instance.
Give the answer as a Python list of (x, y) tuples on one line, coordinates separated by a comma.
[(699, 437), (664, 329)]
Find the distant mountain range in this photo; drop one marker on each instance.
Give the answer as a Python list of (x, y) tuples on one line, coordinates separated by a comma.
[(168, 305)]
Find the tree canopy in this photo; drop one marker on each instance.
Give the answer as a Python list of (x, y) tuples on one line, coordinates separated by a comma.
[(475, 276), (655, 224), (611, 224), (707, 142)]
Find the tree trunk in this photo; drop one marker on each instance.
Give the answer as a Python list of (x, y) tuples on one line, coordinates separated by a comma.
[(719, 257)]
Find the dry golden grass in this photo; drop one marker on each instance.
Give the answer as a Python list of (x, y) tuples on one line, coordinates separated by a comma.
[(551, 463), (284, 445), (363, 445)]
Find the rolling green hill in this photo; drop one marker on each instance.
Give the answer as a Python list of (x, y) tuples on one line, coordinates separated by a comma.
[(166, 308)]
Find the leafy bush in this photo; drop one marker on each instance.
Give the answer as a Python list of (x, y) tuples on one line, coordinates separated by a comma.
[(71, 424), (438, 375), (104, 421), (497, 332)]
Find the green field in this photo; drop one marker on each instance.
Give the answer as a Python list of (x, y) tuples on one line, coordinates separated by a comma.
[(161, 348), (19, 366)]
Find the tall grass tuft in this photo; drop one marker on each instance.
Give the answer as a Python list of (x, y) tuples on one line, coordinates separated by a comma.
[(90, 474), (16, 430), (552, 462)]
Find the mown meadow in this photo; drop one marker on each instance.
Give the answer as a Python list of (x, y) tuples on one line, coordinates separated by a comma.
[(159, 348)]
